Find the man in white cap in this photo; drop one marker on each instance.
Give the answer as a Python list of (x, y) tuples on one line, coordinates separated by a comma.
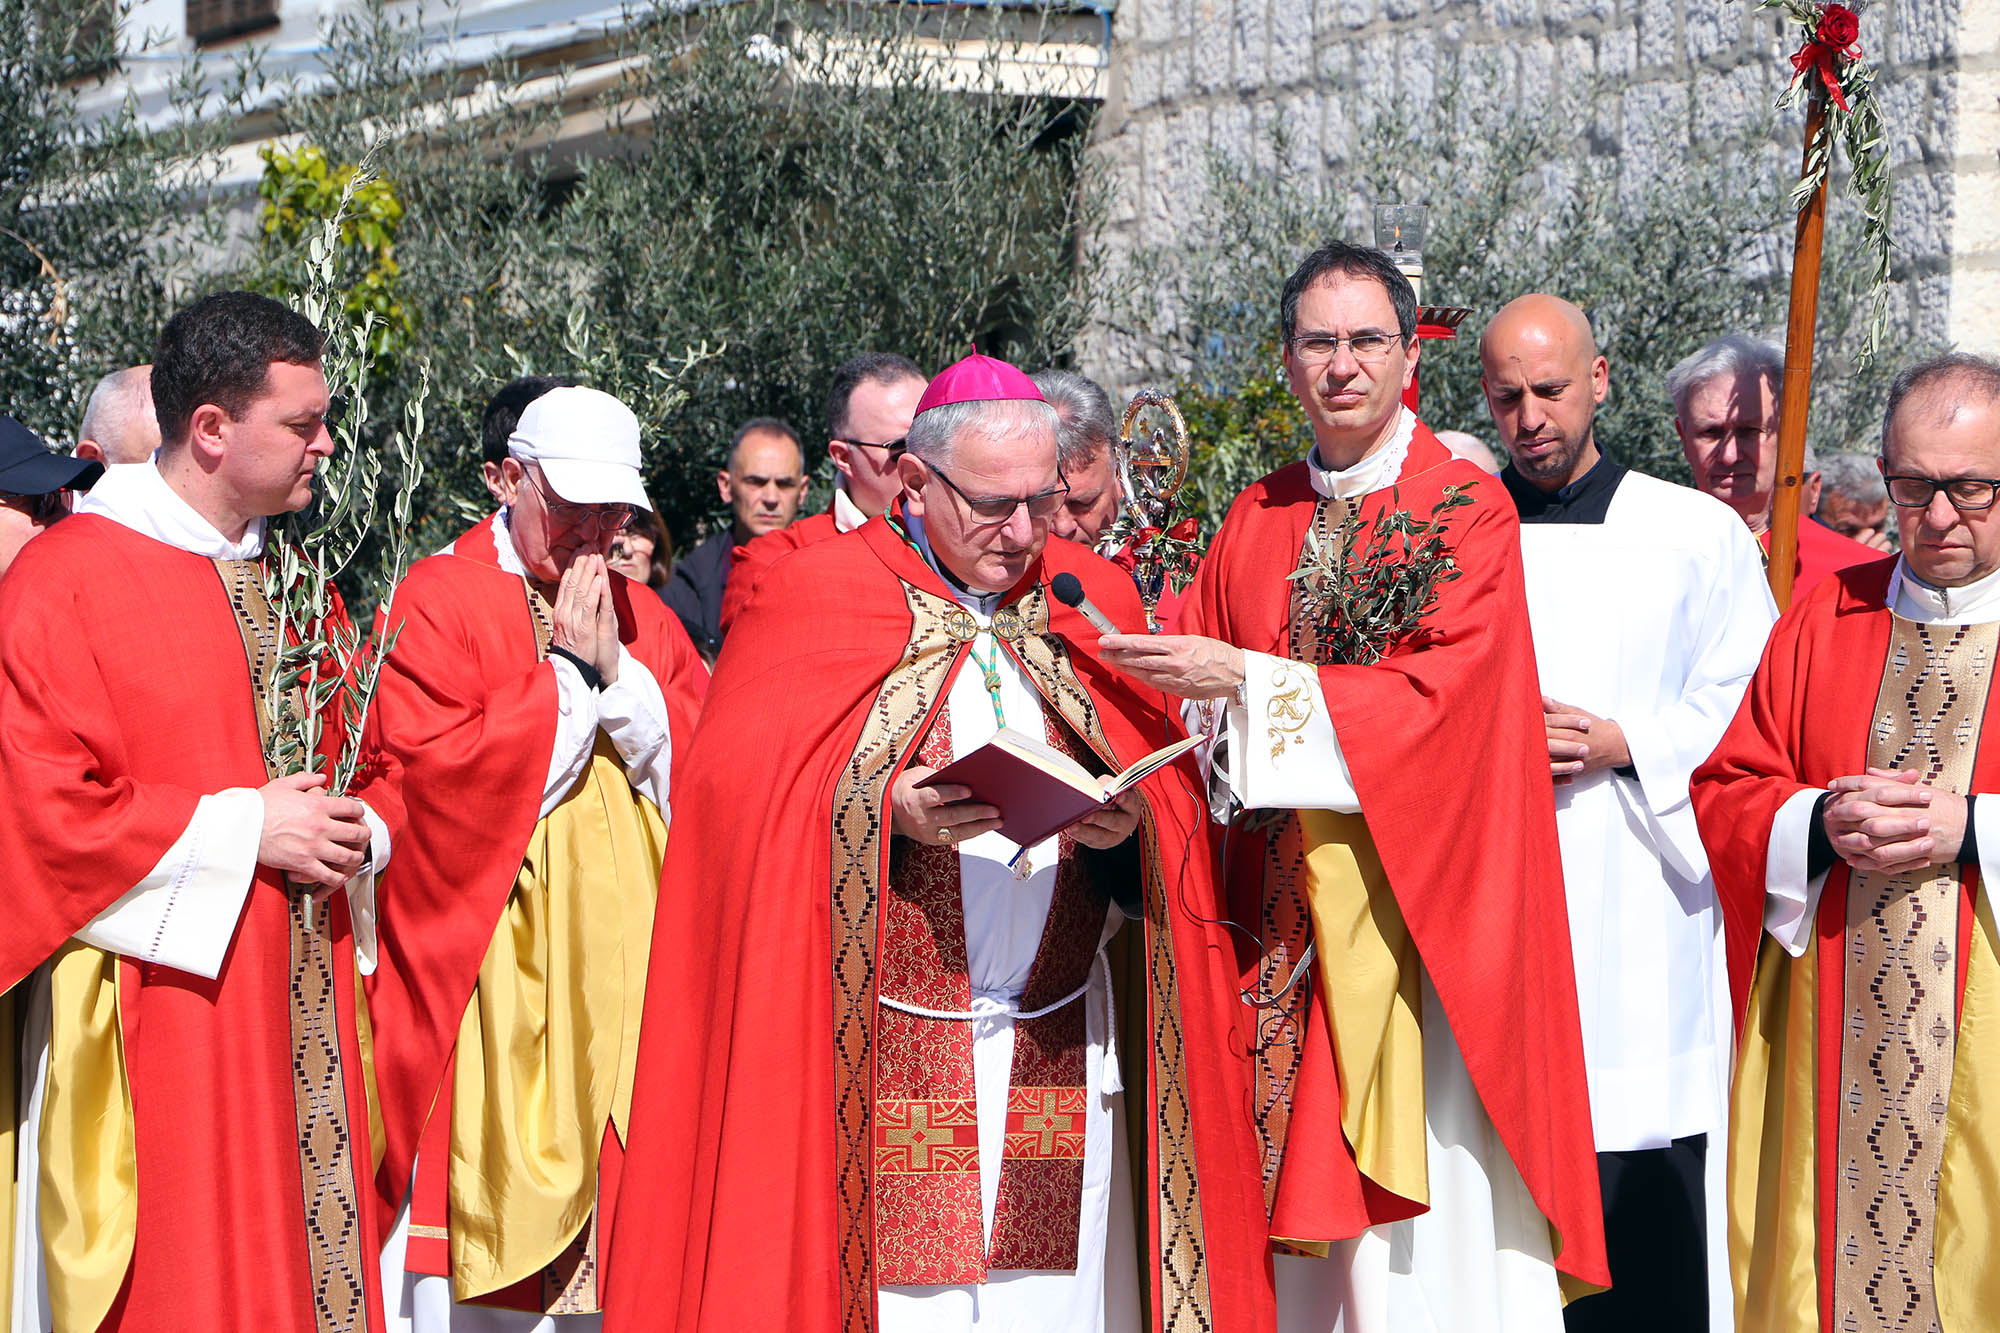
[(535, 699)]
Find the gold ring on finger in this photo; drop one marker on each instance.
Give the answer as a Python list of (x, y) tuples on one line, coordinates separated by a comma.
[(944, 835)]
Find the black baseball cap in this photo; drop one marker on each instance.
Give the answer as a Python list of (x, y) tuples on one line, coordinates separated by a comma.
[(29, 467)]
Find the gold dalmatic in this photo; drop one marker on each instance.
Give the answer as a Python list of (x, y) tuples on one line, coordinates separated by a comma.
[(325, 1138), (1899, 1031)]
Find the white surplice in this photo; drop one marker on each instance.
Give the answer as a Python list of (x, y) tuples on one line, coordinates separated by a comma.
[(1654, 618), (1004, 917), (1480, 1260), (183, 913)]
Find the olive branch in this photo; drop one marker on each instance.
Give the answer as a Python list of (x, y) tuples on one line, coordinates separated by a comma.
[(1364, 597), (1864, 139), (328, 668)]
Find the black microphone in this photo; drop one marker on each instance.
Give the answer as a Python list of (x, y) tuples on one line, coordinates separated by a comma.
[(1068, 589)]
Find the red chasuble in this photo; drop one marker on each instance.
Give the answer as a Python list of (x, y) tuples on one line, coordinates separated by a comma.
[(749, 561), (125, 696), (761, 1040), (470, 709), (1445, 743), (1806, 720)]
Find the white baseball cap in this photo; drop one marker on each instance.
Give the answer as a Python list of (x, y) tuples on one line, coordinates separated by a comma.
[(587, 444)]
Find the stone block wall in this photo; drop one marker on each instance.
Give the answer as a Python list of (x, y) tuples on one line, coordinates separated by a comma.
[(1190, 75)]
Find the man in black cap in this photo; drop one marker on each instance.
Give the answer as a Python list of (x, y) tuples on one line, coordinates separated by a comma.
[(34, 482)]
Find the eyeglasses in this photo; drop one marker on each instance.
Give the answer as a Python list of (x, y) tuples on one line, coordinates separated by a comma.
[(44, 508), (1965, 493), (895, 446), (1369, 345), (1041, 505), (566, 515)]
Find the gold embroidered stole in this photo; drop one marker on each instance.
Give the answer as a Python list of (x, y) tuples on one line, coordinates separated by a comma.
[(547, 1047), (928, 1213), (1899, 1036), (326, 1142), (1326, 897), (911, 692)]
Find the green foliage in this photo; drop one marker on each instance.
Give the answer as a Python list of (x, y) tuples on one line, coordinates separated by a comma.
[(327, 668), (777, 188), (93, 221), (1661, 260), (1363, 596), (301, 193), (1253, 427)]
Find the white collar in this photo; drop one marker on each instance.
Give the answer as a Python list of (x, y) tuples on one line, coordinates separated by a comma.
[(136, 496), (1975, 603), (847, 515), (1373, 472), (504, 553), (981, 605)]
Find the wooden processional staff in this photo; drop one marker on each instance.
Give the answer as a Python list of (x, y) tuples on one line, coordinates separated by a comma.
[(1796, 398), (1837, 89)]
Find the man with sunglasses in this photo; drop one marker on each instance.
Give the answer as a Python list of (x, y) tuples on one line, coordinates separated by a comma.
[(1854, 863), (885, 1025), (868, 411), (536, 701), (36, 485), (1390, 848)]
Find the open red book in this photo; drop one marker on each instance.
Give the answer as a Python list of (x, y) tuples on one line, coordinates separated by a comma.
[(1039, 790)]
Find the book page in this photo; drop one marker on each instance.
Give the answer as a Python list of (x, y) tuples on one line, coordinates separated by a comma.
[(1148, 766)]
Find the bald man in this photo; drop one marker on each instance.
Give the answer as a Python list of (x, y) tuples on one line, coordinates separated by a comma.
[(1649, 611), (119, 425)]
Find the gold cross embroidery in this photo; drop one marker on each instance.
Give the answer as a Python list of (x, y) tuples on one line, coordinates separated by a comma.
[(1047, 1122), (917, 1136)]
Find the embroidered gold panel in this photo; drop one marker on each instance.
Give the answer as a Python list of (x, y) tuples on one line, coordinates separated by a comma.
[(326, 1141), (1900, 985), (1285, 918), (912, 689)]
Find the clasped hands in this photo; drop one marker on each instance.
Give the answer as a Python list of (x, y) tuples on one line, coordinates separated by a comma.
[(585, 619), (1581, 742), (946, 815), (1889, 822)]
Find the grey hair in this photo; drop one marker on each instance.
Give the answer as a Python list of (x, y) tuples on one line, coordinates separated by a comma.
[(1853, 474), (935, 429), (107, 415), (1084, 420), (1735, 355), (1981, 374)]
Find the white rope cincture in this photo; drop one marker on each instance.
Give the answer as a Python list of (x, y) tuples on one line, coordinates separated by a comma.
[(987, 1006)]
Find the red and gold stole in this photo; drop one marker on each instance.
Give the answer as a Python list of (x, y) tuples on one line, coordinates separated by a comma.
[(928, 1224)]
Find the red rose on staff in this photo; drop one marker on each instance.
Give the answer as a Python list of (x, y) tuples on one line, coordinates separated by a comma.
[(1838, 27)]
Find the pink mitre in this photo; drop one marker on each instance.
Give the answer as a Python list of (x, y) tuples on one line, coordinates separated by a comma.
[(978, 379)]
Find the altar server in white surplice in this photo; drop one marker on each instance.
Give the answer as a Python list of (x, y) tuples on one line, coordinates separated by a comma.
[(1649, 610)]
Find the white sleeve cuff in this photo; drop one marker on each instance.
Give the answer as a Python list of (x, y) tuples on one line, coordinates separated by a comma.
[(576, 732), (1283, 752), (1986, 823), (1790, 899), (633, 713), (183, 914), (361, 891)]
